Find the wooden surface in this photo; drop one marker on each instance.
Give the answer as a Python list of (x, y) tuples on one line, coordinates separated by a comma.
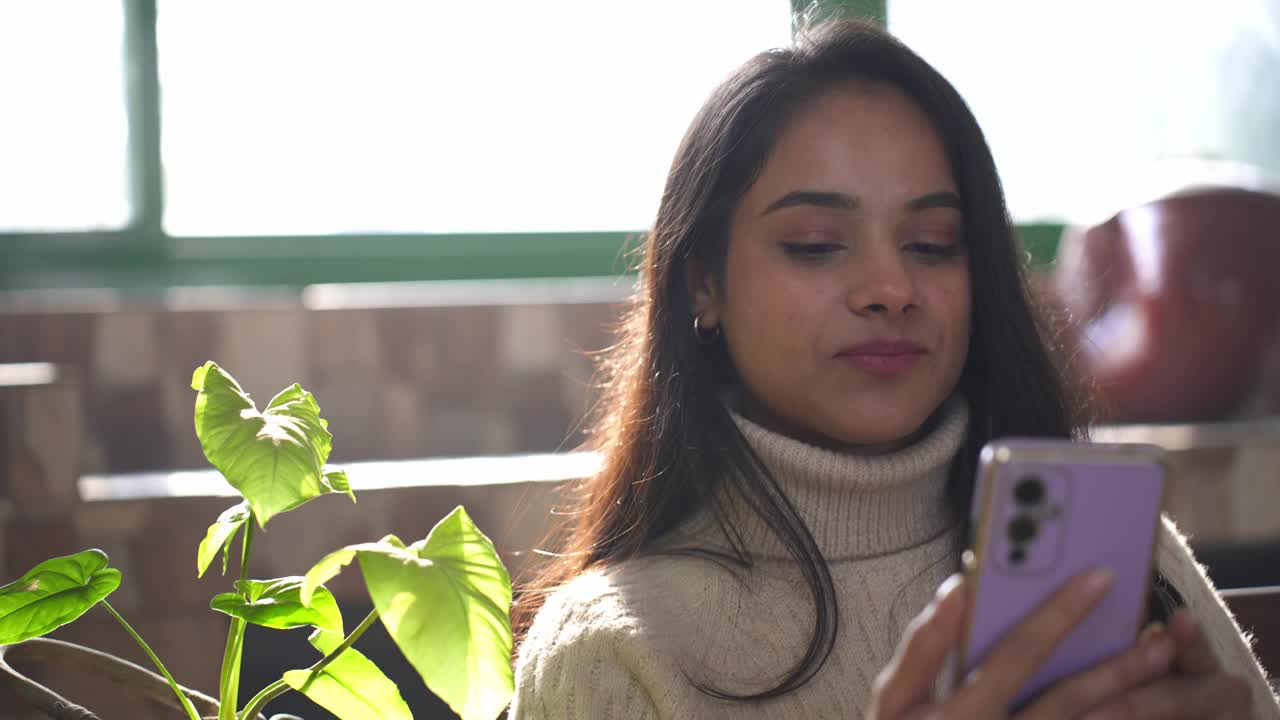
[(1224, 478)]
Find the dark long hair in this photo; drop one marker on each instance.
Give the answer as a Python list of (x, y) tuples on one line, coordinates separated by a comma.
[(669, 446)]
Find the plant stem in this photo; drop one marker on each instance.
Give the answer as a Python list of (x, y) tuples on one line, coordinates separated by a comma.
[(245, 547), (280, 687), (182, 697), (347, 642), (259, 701), (229, 687)]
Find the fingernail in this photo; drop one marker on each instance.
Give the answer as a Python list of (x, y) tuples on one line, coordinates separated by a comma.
[(1151, 630), (948, 585), (1158, 654), (1097, 581)]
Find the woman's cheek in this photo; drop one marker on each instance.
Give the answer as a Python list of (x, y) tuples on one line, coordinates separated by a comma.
[(952, 298)]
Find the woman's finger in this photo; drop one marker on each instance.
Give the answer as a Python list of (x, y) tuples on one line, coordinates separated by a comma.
[(909, 677), (1020, 654), (1150, 657), (1179, 696), (1194, 656)]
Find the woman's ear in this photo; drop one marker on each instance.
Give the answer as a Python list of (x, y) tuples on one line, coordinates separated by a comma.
[(704, 293)]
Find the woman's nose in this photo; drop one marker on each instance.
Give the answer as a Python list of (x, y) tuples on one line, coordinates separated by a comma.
[(883, 286)]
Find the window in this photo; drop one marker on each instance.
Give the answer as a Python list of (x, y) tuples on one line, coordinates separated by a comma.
[(63, 151), (301, 117), (289, 143), (1037, 76), (1079, 99)]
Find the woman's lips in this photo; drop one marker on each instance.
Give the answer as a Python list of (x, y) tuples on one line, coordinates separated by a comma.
[(883, 357)]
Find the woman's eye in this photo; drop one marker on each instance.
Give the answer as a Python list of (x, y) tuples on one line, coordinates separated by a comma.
[(935, 251), (811, 250)]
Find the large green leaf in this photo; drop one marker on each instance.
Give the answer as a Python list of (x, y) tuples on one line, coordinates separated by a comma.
[(274, 458), (445, 600), (54, 593), (219, 537), (278, 604), (330, 565), (351, 686)]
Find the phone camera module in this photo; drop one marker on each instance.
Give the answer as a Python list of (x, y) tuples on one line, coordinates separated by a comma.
[(1022, 529), (1029, 491)]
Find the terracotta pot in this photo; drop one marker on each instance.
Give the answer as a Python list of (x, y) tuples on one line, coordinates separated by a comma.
[(1178, 303)]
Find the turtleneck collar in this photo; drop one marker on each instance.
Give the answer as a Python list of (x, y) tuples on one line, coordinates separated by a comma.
[(857, 505)]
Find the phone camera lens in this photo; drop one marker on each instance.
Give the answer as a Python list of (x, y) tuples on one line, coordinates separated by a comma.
[(1022, 529), (1017, 556), (1029, 491)]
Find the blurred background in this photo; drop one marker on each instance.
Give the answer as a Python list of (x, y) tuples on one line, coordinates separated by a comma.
[(420, 212)]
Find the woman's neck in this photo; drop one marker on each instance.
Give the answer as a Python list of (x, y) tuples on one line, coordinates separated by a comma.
[(855, 504), (747, 406)]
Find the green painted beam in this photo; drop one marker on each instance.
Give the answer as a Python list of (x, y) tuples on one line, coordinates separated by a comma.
[(301, 261), (1040, 241), (142, 97), (111, 260)]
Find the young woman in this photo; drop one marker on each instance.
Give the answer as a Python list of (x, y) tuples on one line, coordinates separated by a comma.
[(832, 320)]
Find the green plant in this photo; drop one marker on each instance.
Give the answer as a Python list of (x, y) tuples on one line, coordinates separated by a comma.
[(444, 599)]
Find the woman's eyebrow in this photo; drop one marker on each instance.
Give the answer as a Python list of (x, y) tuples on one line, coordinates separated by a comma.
[(940, 199), (839, 201), (844, 201)]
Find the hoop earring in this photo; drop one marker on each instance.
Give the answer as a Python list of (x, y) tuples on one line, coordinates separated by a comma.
[(704, 335)]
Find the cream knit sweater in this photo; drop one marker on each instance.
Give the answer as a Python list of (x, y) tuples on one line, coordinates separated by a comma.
[(631, 641)]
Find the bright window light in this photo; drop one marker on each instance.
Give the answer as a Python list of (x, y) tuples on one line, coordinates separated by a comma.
[(63, 147), (1058, 88), (305, 117)]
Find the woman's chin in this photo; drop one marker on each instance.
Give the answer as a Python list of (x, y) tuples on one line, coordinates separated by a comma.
[(877, 433)]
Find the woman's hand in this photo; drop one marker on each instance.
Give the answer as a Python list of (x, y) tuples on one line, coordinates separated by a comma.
[(1198, 688), (904, 689)]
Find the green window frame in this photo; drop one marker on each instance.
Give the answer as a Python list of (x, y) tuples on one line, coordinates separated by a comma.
[(142, 258)]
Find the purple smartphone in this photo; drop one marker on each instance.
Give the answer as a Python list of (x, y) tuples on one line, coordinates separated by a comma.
[(1044, 511)]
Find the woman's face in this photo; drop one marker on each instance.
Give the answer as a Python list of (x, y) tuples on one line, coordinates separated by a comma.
[(845, 301)]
